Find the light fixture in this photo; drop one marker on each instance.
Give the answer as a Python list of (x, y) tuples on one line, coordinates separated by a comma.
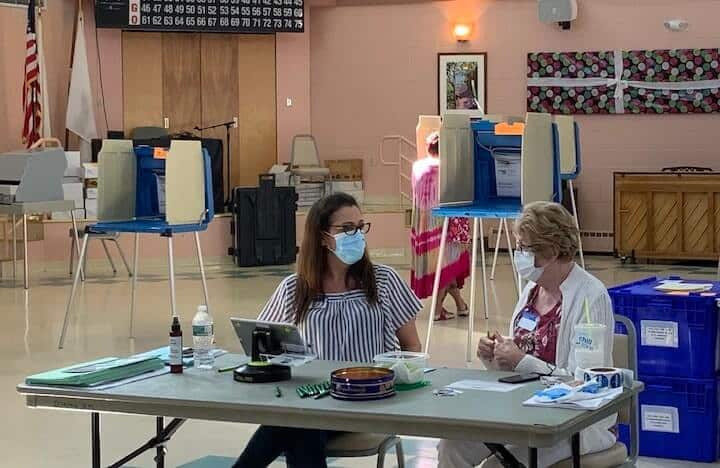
[(462, 32)]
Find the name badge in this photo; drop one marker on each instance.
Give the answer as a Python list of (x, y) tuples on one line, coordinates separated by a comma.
[(528, 321)]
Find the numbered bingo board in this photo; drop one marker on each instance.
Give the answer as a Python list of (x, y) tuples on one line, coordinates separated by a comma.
[(239, 16)]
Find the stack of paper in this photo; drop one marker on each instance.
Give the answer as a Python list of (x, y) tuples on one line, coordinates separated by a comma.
[(96, 372)]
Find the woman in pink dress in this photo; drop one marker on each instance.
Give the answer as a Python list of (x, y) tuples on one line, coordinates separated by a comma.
[(425, 238)]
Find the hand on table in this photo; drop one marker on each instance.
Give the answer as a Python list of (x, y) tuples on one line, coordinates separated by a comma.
[(486, 348), (506, 353)]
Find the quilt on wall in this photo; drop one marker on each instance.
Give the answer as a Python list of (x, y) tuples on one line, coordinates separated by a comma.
[(678, 81)]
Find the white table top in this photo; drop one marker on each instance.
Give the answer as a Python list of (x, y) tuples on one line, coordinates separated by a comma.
[(487, 416), (37, 207)]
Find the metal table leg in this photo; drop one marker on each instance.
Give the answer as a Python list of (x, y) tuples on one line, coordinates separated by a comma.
[(486, 302), (577, 221), (202, 269), (160, 449), (171, 265), (133, 294), (532, 457), (26, 277), (436, 283), (83, 253), (95, 439), (497, 248), (471, 309), (76, 242), (575, 442), (15, 248), (512, 258)]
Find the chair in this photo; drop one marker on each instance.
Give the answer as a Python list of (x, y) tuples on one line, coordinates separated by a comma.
[(365, 445), (148, 133), (624, 356), (103, 238), (127, 207), (305, 161)]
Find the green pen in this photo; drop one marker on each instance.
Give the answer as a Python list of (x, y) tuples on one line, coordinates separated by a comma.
[(228, 369)]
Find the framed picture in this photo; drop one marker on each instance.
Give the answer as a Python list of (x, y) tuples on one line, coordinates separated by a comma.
[(462, 83)]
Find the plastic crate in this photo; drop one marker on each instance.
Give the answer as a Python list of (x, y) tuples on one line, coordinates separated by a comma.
[(677, 334), (688, 406)]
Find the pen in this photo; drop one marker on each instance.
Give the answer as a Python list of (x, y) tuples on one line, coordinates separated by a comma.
[(322, 394), (228, 369), (278, 392)]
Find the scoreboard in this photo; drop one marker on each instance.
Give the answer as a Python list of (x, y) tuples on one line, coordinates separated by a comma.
[(239, 16)]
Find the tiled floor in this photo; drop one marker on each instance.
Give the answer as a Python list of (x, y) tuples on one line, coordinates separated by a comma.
[(99, 327)]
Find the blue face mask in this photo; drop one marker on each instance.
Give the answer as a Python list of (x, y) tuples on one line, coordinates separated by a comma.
[(349, 249)]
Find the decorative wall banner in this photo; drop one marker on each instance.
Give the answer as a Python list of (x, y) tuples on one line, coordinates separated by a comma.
[(678, 81)]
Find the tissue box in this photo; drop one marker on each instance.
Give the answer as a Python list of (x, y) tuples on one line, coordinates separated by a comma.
[(73, 191), (90, 170), (74, 168), (91, 208)]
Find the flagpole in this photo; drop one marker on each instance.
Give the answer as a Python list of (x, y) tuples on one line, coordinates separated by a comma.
[(78, 10)]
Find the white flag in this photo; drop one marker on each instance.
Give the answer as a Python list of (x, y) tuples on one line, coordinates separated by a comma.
[(46, 131), (80, 117)]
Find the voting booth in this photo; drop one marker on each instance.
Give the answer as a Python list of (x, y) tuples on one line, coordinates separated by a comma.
[(145, 190), (490, 169)]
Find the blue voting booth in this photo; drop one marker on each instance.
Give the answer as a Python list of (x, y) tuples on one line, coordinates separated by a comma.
[(143, 193), (498, 173)]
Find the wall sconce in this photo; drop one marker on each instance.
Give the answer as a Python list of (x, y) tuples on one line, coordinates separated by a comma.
[(462, 32)]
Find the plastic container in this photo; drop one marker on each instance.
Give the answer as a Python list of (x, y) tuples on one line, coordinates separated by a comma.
[(409, 367), (589, 345), (678, 419), (677, 334), (203, 338)]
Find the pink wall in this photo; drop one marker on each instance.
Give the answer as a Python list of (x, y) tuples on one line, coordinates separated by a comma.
[(293, 81), (374, 69)]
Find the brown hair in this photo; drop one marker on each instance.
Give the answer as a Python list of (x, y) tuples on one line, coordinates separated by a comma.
[(313, 258), (433, 143), (549, 229)]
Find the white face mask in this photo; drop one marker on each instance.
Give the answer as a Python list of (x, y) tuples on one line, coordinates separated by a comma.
[(525, 264)]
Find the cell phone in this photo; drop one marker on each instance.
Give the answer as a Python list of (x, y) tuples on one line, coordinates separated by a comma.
[(520, 378)]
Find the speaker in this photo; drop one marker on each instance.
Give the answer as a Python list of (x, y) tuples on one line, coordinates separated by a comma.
[(557, 11)]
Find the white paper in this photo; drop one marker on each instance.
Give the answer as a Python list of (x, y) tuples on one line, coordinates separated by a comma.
[(660, 419), (659, 333), (507, 175), (587, 404), (484, 386)]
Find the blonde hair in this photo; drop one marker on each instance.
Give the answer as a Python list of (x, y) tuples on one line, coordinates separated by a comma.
[(549, 229)]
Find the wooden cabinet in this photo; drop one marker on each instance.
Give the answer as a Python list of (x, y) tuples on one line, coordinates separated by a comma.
[(198, 80), (667, 215)]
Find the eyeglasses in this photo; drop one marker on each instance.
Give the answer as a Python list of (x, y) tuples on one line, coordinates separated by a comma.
[(519, 246), (351, 229)]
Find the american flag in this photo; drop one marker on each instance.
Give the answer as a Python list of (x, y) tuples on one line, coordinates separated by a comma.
[(31, 89)]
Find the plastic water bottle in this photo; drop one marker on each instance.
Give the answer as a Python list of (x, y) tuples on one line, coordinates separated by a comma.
[(203, 336)]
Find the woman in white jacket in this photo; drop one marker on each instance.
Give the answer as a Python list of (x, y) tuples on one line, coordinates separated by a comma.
[(540, 336)]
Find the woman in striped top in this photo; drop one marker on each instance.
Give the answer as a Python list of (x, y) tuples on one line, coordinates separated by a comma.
[(347, 309)]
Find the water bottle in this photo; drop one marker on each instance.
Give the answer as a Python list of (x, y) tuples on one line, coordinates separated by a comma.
[(203, 337)]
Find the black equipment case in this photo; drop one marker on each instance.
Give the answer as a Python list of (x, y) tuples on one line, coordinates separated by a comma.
[(263, 224)]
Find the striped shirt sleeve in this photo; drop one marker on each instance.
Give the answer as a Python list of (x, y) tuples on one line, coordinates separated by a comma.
[(400, 305), (281, 306)]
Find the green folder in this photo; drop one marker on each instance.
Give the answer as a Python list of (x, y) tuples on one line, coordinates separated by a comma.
[(96, 372)]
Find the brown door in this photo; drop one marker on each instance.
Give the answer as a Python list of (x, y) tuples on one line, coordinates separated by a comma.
[(181, 81)]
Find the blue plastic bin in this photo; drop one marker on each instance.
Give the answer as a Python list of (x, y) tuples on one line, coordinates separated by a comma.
[(689, 406), (677, 335)]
